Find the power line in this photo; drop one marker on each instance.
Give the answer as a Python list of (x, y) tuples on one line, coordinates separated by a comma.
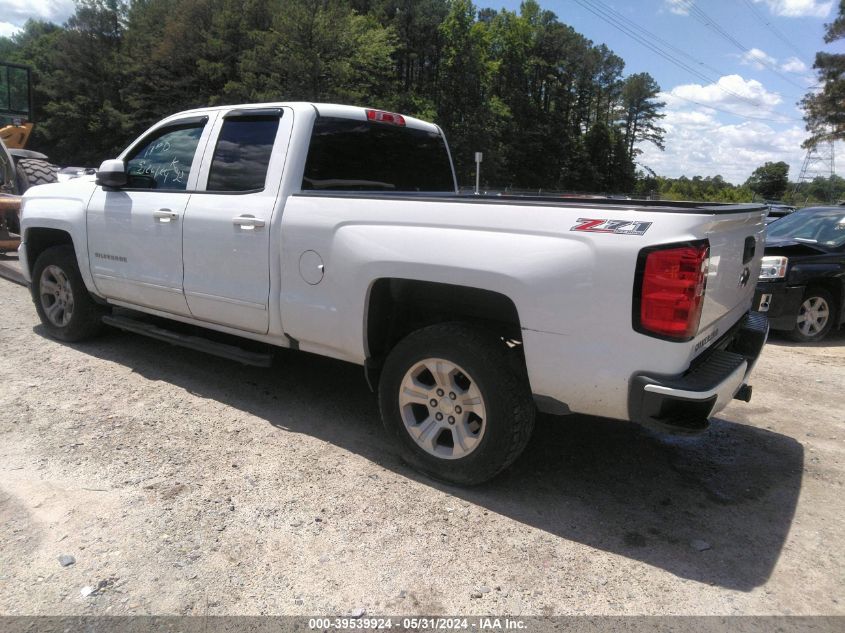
[(714, 26), (778, 33), (602, 11), (782, 119), (648, 39)]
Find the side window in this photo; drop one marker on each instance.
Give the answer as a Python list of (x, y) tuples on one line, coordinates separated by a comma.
[(163, 160), (243, 153)]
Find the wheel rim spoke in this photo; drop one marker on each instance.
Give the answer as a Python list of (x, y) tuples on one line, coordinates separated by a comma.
[(426, 432), (49, 285), (463, 437), (67, 313), (53, 311), (412, 394), (440, 370)]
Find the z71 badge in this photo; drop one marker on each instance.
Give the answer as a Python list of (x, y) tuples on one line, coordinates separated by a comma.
[(620, 227)]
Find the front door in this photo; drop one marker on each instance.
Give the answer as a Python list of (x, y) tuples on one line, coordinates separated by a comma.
[(135, 233)]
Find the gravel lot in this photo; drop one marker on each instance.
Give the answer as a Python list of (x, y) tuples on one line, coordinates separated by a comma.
[(186, 484)]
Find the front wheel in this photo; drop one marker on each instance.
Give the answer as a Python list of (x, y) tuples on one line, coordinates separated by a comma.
[(816, 316), (64, 306), (457, 405)]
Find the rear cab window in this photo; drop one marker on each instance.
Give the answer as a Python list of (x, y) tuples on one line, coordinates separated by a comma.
[(242, 154), (354, 155)]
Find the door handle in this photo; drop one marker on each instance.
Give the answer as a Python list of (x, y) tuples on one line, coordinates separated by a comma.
[(165, 215), (248, 221)]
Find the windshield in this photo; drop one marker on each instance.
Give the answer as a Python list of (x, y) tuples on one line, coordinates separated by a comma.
[(826, 228)]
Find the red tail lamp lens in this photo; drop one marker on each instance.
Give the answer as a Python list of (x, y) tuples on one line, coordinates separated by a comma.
[(673, 286)]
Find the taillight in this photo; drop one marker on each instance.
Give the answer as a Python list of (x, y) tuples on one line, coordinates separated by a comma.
[(379, 116), (669, 293)]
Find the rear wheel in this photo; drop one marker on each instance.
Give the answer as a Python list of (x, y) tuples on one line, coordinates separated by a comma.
[(64, 306), (816, 316), (459, 408)]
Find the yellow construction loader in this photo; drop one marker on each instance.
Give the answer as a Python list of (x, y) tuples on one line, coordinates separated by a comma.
[(20, 168)]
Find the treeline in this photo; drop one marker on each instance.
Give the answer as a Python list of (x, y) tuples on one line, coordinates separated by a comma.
[(819, 191), (548, 107)]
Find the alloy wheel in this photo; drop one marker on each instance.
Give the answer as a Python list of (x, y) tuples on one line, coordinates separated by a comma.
[(442, 408), (56, 295)]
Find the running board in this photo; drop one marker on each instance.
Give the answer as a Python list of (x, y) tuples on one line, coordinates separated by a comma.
[(198, 343)]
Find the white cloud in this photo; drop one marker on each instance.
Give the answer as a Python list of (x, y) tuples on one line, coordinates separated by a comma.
[(7, 29), (757, 58), (17, 12), (798, 8), (703, 140), (696, 148), (761, 60), (783, 8), (731, 92), (678, 7), (793, 65)]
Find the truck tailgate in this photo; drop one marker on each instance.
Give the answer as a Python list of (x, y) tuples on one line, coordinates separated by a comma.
[(736, 249)]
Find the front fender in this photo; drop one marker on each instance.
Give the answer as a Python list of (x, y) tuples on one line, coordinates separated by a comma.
[(61, 207)]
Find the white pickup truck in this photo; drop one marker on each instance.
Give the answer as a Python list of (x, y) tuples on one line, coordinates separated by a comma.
[(338, 230)]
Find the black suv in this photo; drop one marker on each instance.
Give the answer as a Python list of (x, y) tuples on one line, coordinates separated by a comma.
[(802, 280)]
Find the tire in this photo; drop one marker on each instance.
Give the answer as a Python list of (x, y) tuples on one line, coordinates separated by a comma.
[(816, 316), (77, 316), (468, 366), (34, 171)]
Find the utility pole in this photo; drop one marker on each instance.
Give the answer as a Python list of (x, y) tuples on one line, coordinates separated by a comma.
[(819, 161), (478, 158)]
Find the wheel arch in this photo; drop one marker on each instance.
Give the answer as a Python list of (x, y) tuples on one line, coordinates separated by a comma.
[(397, 306), (39, 239)]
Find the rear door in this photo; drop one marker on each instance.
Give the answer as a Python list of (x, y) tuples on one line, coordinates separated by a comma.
[(135, 233), (227, 227)]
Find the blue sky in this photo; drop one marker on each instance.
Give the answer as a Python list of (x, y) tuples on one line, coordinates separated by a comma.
[(734, 105), (730, 110)]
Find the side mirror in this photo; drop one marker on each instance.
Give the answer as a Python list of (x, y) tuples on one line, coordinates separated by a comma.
[(112, 174)]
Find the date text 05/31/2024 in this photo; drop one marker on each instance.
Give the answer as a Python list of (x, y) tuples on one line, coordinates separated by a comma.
[(418, 624)]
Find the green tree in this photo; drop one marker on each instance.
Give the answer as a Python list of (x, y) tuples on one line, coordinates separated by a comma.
[(548, 108), (641, 112), (823, 110), (770, 180), (81, 115), (466, 109), (318, 50)]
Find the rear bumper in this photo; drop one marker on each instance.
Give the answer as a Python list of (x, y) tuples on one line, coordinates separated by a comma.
[(780, 303), (684, 403)]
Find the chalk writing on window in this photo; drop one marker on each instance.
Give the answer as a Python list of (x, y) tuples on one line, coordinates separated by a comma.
[(165, 161)]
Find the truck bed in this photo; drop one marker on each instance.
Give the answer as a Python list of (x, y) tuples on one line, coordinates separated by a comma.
[(579, 202)]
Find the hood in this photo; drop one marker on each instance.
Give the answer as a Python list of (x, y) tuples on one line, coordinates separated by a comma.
[(787, 246), (77, 189)]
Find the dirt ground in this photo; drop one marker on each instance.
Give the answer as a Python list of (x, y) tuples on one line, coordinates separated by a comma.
[(186, 484)]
